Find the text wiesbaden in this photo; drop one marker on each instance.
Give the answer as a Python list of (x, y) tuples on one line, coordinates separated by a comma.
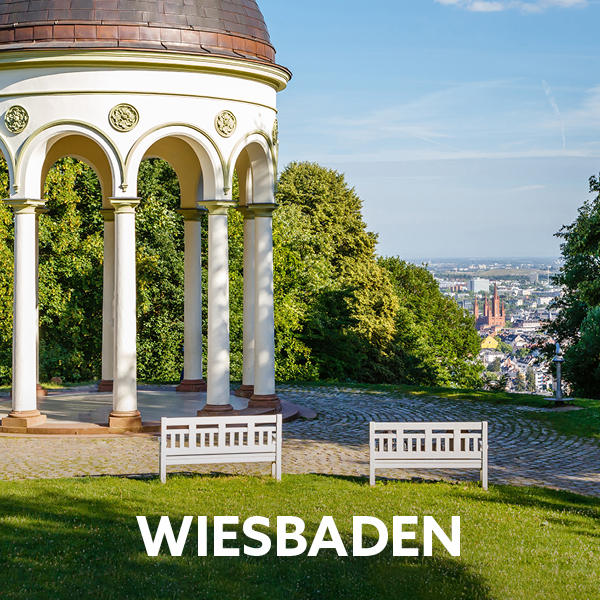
[(290, 540)]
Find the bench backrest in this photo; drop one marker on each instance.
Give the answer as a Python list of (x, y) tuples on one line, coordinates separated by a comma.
[(428, 440), (220, 435)]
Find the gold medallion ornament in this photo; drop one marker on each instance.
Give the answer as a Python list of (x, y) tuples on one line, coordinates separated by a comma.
[(226, 123), (123, 117), (275, 132), (16, 119)]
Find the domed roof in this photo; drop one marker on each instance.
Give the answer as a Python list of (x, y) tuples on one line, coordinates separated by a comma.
[(233, 28)]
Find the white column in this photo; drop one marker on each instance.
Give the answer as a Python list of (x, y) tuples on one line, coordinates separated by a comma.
[(264, 320), (25, 317), (125, 414), (247, 388), (108, 302), (192, 336), (217, 369)]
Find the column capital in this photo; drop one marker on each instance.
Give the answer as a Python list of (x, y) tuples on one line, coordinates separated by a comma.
[(24, 205), (264, 209), (246, 211), (191, 214), (217, 207), (108, 214), (124, 205)]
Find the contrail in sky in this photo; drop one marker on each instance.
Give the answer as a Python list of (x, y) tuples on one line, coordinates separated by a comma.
[(555, 107)]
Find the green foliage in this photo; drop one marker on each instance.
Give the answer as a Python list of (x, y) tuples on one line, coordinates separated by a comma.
[(520, 382), (503, 346), (495, 367), (530, 380), (70, 273), (6, 279), (340, 313), (160, 273), (582, 359), (435, 340), (580, 278)]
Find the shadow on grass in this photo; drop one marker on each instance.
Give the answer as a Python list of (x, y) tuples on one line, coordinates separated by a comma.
[(81, 540)]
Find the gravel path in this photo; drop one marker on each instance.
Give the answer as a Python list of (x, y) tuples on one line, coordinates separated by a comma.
[(522, 451)]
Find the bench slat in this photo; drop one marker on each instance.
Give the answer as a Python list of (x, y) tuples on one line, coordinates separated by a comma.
[(198, 440), (428, 445)]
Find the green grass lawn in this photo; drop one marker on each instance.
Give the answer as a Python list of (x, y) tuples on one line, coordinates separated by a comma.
[(80, 539)]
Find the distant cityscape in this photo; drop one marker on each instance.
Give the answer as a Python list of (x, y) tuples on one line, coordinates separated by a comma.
[(510, 300)]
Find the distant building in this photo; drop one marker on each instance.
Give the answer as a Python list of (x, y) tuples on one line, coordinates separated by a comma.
[(534, 277), (490, 343), (479, 285), (494, 315)]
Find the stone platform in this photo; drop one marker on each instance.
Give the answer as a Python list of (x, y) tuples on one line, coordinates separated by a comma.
[(85, 411)]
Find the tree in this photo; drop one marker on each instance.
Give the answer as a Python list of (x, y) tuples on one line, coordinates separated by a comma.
[(530, 380), (495, 367), (340, 312), (350, 318), (6, 279), (503, 346), (435, 341), (70, 273), (580, 278), (520, 382)]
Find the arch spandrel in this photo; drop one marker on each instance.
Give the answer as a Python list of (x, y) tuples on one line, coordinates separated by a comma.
[(164, 142)]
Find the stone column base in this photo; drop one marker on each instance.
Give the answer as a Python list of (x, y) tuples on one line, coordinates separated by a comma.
[(245, 391), (125, 421), (19, 421), (269, 401), (191, 385), (106, 385), (218, 410)]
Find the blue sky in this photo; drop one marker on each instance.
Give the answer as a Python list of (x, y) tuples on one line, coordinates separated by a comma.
[(468, 127)]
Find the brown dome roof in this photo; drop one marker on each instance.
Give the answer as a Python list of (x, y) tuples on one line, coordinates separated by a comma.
[(233, 28)]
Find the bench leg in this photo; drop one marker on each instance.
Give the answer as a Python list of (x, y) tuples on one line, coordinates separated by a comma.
[(163, 472), (484, 477), (276, 470), (372, 474)]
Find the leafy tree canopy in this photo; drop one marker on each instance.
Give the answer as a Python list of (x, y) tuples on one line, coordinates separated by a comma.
[(580, 277)]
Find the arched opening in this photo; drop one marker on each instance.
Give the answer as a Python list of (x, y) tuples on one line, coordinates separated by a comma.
[(175, 171), (160, 242), (71, 258)]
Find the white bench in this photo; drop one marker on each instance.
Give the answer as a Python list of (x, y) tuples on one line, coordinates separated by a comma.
[(208, 440), (429, 446)]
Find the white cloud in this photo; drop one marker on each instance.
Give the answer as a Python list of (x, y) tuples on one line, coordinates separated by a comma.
[(526, 6)]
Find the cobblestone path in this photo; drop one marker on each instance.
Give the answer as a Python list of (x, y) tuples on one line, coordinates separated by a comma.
[(522, 451)]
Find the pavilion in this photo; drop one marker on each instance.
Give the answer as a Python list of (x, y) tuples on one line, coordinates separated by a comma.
[(114, 82)]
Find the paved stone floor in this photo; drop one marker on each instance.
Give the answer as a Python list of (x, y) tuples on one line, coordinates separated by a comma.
[(522, 451)]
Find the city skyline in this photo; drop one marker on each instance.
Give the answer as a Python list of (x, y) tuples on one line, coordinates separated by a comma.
[(468, 128)]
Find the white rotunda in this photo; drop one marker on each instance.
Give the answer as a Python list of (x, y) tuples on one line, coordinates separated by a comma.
[(111, 83)]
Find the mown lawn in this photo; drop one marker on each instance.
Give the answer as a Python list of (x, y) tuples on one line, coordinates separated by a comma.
[(80, 539)]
